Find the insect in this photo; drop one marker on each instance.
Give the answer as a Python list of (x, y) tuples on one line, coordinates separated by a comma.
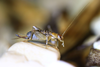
[(38, 34)]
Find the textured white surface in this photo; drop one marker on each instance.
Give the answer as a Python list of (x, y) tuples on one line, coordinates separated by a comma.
[(13, 59), (96, 45), (25, 54), (36, 53)]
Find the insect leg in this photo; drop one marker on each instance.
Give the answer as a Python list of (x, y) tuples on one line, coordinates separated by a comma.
[(31, 35), (57, 43), (49, 28), (33, 30), (62, 43), (47, 36), (25, 37)]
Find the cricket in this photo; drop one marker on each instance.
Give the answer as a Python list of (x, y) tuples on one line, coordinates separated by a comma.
[(38, 34)]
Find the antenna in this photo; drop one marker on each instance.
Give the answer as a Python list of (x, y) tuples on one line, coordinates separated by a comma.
[(74, 19)]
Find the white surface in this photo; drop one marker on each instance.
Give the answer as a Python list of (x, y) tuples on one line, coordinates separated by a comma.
[(36, 53), (60, 64), (25, 54), (13, 59), (95, 25), (96, 45)]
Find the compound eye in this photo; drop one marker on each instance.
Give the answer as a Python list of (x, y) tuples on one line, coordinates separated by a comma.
[(60, 37)]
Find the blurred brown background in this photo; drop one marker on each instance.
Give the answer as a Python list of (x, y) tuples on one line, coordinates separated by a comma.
[(18, 16)]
